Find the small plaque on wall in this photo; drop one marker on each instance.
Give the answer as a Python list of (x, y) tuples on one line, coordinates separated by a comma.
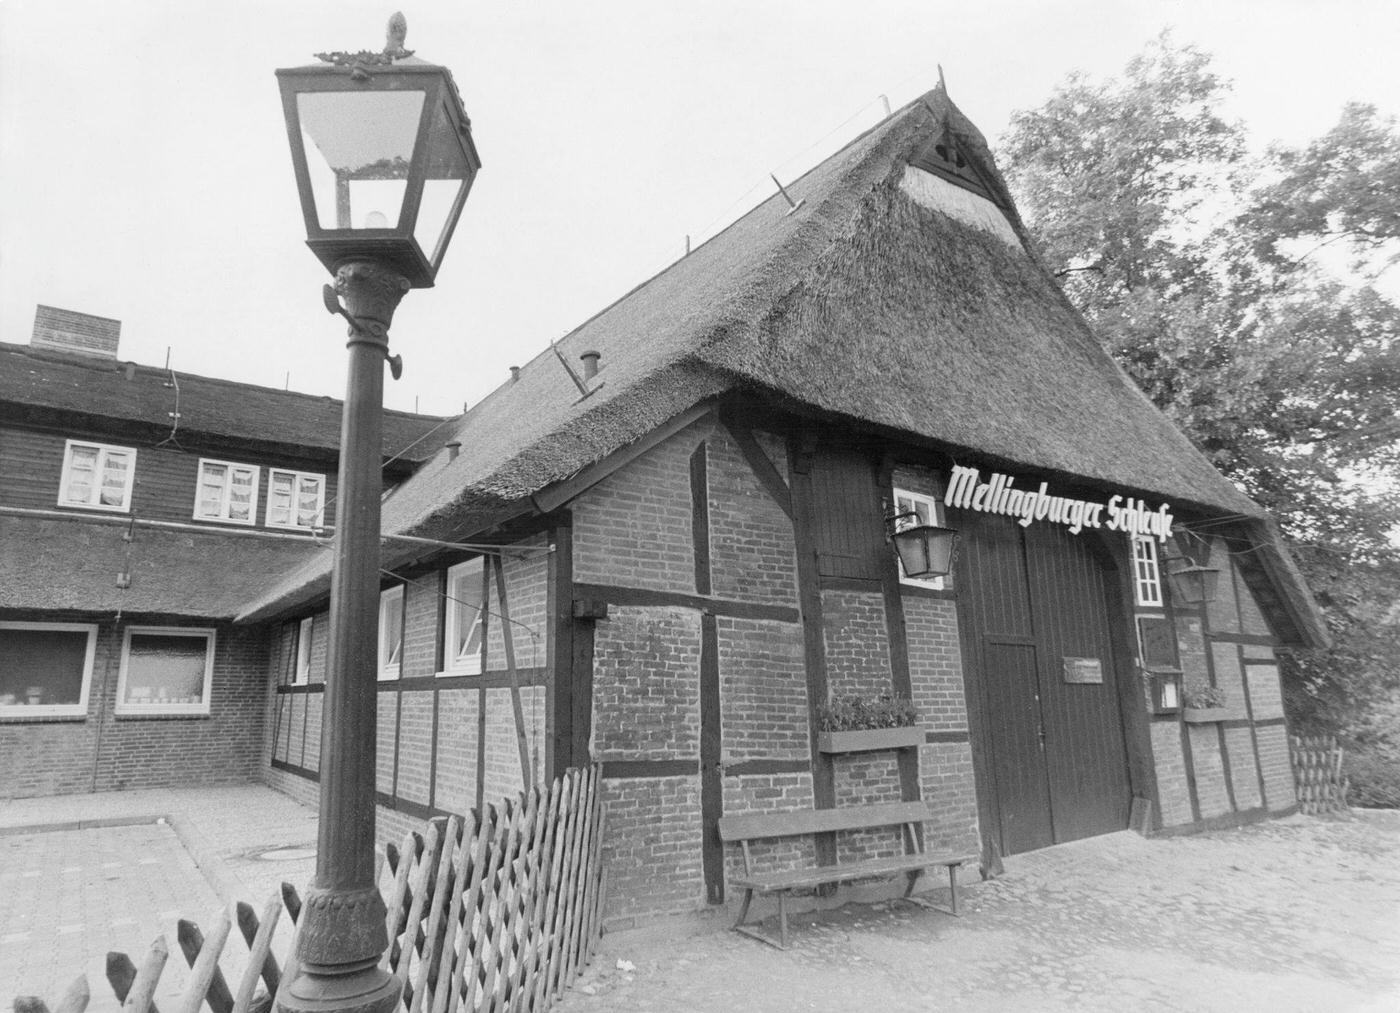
[(1083, 670)]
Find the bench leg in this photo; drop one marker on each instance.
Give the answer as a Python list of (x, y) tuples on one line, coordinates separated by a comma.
[(952, 909), (744, 910), (782, 918)]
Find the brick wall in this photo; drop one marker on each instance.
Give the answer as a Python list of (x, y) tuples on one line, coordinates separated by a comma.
[(634, 527), (104, 752), (945, 770), (1279, 790), (751, 552), (1173, 789), (763, 690), (935, 663), (652, 848), (646, 685), (857, 646)]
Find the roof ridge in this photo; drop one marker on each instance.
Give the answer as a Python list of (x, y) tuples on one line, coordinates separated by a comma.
[(117, 365)]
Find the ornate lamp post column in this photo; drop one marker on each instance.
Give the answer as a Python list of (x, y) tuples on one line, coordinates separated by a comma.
[(384, 159)]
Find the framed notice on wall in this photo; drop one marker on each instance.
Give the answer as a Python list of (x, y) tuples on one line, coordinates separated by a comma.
[(1083, 670)]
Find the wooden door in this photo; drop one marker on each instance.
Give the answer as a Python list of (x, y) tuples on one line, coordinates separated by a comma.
[(1052, 758)]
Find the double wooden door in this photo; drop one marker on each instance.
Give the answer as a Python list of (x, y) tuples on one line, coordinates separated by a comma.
[(1038, 648)]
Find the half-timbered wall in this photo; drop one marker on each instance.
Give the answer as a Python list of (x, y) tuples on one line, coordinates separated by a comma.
[(442, 737), (1238, 769), (745, 581)]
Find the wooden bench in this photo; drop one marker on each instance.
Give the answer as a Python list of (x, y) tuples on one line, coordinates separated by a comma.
[(908, 815)]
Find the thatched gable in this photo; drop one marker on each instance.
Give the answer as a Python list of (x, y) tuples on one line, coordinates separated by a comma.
[(864, 304)]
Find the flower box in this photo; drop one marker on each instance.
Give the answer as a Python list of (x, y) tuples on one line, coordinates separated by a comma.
[(1205, 715), (864, 740)]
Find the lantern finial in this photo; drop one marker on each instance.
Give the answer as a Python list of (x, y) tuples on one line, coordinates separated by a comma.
[(395, 34)]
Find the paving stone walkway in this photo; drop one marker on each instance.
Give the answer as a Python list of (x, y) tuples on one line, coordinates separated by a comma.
[(1294, 915), (84, 874), (1301, 914)]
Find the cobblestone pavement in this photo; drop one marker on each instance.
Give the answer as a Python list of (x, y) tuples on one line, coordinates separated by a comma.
[(1298, 914), (74, 886)]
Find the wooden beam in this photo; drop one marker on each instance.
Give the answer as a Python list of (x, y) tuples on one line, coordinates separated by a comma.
[(508, 641), (615, 595), (759, 462), (560, 493)]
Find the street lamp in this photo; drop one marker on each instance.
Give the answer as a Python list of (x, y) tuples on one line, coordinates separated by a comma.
[(924, 550), (384, 159)]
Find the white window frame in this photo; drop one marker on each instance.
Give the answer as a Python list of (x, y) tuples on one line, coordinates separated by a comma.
[(199, 708), (297, 477), (57, 710), (301, 673), (390, 660), (904, 501), (1147, 572), (103, 452), (226, 496), (452, 662)]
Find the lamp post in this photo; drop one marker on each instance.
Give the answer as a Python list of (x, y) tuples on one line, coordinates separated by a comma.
[(384, 159)]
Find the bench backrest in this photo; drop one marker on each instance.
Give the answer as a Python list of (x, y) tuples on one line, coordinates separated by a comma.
[(815, 821)]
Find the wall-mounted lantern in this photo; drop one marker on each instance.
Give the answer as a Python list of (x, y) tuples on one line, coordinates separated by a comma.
[(1192, 585), (1166, 692), (925, 550)]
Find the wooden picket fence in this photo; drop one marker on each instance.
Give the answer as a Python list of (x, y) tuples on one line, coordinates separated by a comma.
[(495, 912), (1317, 772)]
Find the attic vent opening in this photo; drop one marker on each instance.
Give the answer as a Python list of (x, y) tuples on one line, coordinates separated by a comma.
[(945, 158)]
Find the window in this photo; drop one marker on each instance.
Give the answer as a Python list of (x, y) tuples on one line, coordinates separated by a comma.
[(295, 499), (302, 673), (165, 670), (226, 492), (926, 510), (461, 653), (391, 632), (45, 668), (97, 476), (1147, 580)]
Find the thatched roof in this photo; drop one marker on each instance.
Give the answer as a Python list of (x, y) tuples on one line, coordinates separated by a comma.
[(864, 304), (44, 385), (173, 572)]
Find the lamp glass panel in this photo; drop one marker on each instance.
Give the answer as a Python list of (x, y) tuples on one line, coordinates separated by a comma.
[(359, 146), (445, 175)]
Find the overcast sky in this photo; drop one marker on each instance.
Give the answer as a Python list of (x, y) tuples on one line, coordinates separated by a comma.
[(144, 172)]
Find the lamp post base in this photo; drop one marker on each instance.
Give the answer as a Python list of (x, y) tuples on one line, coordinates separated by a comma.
[(369, 989)]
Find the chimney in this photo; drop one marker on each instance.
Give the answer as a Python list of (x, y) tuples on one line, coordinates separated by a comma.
[(590, 364), (453, 447), (67, 331)]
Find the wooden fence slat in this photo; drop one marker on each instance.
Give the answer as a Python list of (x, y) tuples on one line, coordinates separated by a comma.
[(205, 969), (436, 930), (249, 926), (555, 978), (191, 941), (544, 982), (75, 997), (140, 998), (522, 895), (534, 930), (401, 862), (121, 975), (481, 949), (259, 953), (575, 894), (498, 951), (426, 865)]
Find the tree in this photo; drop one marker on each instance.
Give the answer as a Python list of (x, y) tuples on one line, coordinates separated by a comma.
[(1206, 273)]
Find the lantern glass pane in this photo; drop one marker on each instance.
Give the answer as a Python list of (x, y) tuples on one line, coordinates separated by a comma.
[(445, 175), (359, 146)]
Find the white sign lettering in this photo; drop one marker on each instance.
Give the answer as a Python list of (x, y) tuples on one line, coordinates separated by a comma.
[(999, 495)]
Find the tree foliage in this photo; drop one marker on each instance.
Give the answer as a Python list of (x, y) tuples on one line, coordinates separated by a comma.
[(1245, 294)]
